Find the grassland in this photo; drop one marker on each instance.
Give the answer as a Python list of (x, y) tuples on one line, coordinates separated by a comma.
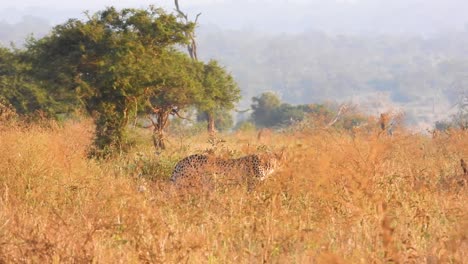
[(340, 197)]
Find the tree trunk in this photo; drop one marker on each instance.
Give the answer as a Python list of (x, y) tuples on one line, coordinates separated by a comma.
[(158, 140), (110, 129), (162, 120), (211, 124)]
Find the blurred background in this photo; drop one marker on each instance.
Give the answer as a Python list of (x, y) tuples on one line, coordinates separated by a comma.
[(404, 55)]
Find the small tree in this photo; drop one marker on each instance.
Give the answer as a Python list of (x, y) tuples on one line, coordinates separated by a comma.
[(176, 86), (220, 93), (263, 109)]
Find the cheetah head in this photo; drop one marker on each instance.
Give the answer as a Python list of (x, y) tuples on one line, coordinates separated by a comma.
[(271, 163)]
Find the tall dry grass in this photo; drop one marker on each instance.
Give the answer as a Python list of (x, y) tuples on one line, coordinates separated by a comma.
[(339, 198)]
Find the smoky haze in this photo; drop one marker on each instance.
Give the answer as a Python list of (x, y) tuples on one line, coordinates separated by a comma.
[(405, 54), (341, 17)]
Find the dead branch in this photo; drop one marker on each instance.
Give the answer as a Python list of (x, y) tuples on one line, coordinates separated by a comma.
[(152, 121), (196, 18), (176, 2), (176, 113), (192, 46), (136, 111), (341, 111), (242, 111)]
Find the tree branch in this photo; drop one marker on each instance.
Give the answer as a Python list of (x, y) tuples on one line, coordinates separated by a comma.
[(152, 122), (192, 47), (341, 111), (196, 18), (176, 113), (242, 111), (176, 2)]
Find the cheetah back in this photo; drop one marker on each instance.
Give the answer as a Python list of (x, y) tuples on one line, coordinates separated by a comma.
[(252, 167), (189, 166)]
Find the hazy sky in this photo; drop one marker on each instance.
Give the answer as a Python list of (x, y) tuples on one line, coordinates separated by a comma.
[(73, 3), (342, 16), (93, 4)]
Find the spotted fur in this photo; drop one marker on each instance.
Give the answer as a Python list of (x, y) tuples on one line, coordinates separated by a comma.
[(252, 167)]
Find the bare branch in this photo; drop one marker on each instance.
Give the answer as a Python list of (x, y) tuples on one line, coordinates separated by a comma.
[(196, 18), (341, 111), (176, 113), (192, 46), (176, 2), (242, 111), (152, 121), (136, 111)]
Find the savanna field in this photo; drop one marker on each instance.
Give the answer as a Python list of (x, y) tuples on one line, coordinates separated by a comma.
[(340, 197)]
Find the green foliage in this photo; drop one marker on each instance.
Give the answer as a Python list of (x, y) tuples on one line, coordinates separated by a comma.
[(220, 93), (263, 109), (176, 86), (109, 122), (287, 114), (268, 111), (176, 83), (111, 62), (19, 89), (219, 89)]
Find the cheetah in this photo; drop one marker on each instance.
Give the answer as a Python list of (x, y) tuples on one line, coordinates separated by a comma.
[(199, 167)]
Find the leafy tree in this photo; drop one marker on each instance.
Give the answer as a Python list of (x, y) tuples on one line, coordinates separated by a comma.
[(177, 86), (18, 88), (287, 114), (263, 109), (111, 61), (220, 93), (268, 111)]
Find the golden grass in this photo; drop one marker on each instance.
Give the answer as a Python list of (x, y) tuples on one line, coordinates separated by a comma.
[(339, 198)]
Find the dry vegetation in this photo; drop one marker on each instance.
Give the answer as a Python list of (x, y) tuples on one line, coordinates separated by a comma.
[(339, 198)]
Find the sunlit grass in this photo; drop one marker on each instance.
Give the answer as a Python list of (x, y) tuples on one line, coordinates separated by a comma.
[(339, 198)]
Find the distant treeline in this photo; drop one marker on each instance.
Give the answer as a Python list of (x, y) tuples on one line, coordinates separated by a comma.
[(414, 72)]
